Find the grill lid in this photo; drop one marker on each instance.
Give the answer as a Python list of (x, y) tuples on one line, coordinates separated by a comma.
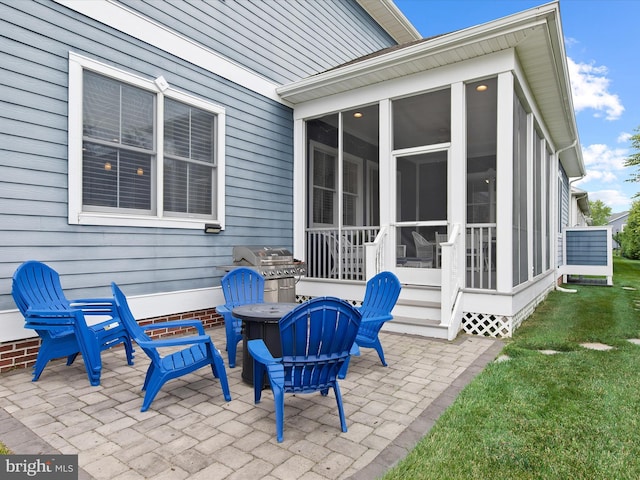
[(256, 256)]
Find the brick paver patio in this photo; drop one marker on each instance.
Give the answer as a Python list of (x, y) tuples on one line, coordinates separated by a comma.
[(191, 432)]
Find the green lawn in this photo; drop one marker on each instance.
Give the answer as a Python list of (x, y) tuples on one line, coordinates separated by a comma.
[(575, 414)]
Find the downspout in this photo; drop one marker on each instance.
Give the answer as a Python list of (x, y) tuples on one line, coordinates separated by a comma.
[(564, 150), (559, 288)]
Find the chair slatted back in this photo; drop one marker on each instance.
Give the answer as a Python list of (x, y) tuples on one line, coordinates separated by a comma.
[(316, 339), (242, 286), (130, 323), (35, 283), (381, 295)]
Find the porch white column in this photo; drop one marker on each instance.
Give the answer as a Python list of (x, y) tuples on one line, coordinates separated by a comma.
[(457, 176), (299, 189), (504, 181), (388, 196)]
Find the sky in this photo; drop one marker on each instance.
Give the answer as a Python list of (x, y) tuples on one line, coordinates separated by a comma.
[(602, 40)]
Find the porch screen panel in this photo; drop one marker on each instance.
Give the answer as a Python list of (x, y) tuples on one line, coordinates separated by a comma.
[(422, 197), (520, 245), (538, 168), (351, 193), (547, 209), (324, 187), (360, 140), (343, 191), (322, 164), (482, 134), (422, 119)]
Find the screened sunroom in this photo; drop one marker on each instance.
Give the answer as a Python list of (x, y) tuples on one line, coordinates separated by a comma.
[(440, 161)]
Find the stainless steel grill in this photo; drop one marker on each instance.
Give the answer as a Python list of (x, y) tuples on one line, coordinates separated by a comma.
[(276, 265)]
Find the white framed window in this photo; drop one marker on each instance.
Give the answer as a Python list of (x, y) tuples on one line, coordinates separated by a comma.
[(141, 153), (352, 191), (324, 187)]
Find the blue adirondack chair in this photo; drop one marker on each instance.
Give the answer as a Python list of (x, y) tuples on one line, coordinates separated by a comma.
[(199, 352), (241, 286), (380, 297), (316, 339), (61, 323)]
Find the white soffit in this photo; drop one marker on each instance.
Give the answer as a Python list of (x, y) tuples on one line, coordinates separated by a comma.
[(425, 54), (535, 35)]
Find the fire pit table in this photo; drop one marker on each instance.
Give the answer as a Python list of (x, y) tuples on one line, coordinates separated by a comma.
[(260, 320)]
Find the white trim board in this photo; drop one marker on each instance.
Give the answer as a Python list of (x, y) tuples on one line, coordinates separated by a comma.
[(142, 306), (132, 23)]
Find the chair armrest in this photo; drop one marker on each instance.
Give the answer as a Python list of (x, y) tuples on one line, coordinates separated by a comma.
[(95, 306), (50, 319), (174, 342), (223, 309), (260, 353), (45, 313), (197, 324), (94, 301), (375, 319)]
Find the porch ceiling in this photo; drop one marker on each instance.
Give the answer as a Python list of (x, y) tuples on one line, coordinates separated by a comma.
[(536, 36)]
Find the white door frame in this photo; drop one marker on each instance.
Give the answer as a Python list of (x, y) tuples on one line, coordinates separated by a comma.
[(414, 275)]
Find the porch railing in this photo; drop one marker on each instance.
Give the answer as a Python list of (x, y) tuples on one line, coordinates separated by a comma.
[(338, 253), (451, 282), (481, 255), (375, 253)]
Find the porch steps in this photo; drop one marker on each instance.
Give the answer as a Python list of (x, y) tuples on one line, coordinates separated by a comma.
[(417, 311), (417, 326)]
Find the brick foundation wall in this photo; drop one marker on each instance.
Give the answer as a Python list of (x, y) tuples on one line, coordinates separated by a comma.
[(23, 353)]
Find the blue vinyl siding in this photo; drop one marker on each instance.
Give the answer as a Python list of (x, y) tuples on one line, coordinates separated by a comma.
[(586, 247), (282, 40), (33, 163)]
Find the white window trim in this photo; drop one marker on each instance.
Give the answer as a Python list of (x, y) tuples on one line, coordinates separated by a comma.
[(77, 216)]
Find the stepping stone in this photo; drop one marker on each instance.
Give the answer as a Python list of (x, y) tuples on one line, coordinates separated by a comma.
[(596, 346), (548, 352), (635, 341)]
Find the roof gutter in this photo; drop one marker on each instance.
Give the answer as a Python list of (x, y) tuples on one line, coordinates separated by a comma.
[(569, 147), (391, 19)]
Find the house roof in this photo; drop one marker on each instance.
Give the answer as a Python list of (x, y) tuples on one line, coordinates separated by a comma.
[(617, 216), (535, 34), (391, 19)]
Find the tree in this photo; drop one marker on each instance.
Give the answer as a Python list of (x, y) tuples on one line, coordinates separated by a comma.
[(630, 237), (600, 213), (634, 158)]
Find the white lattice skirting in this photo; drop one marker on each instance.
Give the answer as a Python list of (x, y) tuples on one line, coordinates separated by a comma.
[(487, 325), (305, 298), (498, 326)]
